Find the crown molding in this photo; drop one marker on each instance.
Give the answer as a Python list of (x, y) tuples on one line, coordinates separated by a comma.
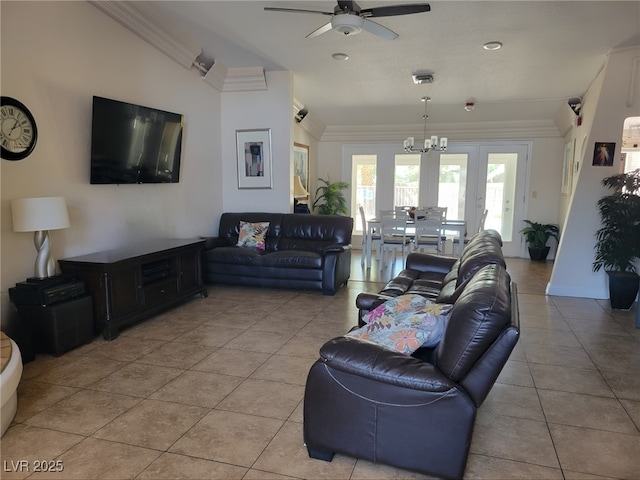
[(244, 79), (149, 24), (453, 131), (312, 125), (216, 76)]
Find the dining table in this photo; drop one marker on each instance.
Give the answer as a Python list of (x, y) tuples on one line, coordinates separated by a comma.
[(457, 226)]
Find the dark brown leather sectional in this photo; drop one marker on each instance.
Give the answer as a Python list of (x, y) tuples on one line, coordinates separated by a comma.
[(418, 412), (302, 252), (438, 277)]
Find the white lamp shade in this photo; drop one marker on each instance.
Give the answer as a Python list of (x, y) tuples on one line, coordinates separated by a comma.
[(298, 189), (38, 214)]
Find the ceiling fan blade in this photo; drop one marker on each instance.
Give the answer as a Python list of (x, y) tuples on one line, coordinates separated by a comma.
[(319, 31), (295, 10), (379, 30), (395, 10)]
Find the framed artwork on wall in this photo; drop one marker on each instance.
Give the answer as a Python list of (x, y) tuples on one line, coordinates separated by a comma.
[(301, 163), (603, 154), (253, 149)]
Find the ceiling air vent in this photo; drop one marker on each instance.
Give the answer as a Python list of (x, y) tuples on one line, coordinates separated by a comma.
[(419, 78)]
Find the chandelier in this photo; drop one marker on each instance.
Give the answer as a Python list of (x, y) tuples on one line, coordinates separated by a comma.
[(430, 143)]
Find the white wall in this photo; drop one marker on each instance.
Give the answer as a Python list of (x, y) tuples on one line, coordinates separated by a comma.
[(259, 110), (70, 51), (604, 109)]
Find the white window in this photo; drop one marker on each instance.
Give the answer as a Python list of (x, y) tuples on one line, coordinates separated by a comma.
[(363, 191), (406, 182)]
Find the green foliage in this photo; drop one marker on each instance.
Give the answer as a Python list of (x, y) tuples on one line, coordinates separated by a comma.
[(618, 240), (330, 199), (537, 234)]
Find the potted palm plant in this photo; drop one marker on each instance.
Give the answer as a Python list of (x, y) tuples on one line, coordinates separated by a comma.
[(618, 240), (536, 236), (329, 198)]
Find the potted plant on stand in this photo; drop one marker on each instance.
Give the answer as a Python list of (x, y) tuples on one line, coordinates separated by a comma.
[(536, 236), (618, 240), (329, 198)]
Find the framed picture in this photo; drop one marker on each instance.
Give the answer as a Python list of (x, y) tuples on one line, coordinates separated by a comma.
[(253, 148), (603, 154), (567, 168), (301, 163)]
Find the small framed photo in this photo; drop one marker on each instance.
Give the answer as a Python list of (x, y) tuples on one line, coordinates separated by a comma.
[(603, 154), (253, 148), (301, 163)]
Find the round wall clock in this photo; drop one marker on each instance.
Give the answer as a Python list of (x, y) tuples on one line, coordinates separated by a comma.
[(19, 133)]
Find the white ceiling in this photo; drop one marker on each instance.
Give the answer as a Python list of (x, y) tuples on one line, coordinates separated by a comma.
[(552, 51)]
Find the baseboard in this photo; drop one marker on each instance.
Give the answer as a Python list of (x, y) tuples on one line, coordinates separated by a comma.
[(580, 292)]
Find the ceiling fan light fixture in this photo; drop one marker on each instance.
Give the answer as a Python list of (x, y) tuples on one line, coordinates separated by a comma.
[(347, 24), (340, 56)]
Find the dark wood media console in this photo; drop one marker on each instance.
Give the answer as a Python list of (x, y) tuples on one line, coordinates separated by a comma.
[(134, 283)]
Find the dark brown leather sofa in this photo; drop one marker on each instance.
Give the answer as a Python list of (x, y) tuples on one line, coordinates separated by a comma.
[(438, 277), (302, 252), (415, 412)]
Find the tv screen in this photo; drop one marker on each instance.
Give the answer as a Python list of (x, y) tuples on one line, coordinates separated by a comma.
[(134, 144)]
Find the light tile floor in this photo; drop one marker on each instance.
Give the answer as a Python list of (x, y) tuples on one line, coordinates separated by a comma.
[(213, 390)]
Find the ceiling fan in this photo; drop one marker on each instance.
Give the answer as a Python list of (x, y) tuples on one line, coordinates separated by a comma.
[(349, 19)]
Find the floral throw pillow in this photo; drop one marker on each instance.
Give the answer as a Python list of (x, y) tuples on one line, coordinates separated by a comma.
[(398, 337), (410, 318), (252, 235)]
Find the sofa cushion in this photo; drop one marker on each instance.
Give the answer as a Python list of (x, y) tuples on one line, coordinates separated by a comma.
[(406, 312), (480, 314), (400, 338), (230, 225), (315, 233), (252, 235)]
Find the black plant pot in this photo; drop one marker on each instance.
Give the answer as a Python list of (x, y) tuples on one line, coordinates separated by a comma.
[(623, 289), (539, 254)]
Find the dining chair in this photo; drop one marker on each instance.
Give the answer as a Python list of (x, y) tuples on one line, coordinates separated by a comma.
[(386, 213), (481, 222), (429, 231), (376, 239), (394, 238), (402, 211), (438, 210)]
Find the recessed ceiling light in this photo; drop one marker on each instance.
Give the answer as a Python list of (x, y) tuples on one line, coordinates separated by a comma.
[(340, 56), (492, 46)]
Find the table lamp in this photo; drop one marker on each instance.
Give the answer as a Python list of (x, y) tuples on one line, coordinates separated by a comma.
[(40, 215), (298, 189)]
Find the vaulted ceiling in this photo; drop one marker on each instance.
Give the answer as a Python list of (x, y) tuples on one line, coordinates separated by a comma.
[(551, 51)]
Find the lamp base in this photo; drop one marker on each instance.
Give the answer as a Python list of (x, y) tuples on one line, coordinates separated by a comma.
[(45, 266)]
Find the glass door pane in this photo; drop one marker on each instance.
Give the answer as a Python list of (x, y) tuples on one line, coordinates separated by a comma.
[(363, 191), (406, 182), (503, 173), (500, 193), (452, 184)]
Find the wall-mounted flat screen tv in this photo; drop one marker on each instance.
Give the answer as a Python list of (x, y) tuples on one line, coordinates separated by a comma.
[(134, 144)]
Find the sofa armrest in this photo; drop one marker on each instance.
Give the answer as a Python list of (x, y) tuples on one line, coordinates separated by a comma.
[(335, 249), (426, 262), (369, 301), (214, 242), (375, 362)]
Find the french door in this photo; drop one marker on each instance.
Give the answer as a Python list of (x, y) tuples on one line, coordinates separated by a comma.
[(467, 179), (492, 177)]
